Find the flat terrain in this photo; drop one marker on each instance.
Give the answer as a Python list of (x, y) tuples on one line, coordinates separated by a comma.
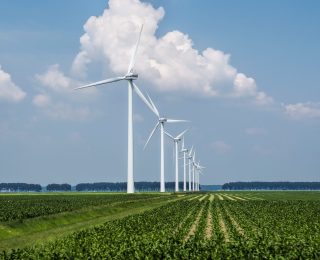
[(184, 226), (28, 219)]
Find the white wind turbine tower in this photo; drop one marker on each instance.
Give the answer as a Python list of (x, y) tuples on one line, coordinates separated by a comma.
[(161, 121), (198, 168), (193, 170), (190, 165), (176, 141), (129, 76), (184, 151)]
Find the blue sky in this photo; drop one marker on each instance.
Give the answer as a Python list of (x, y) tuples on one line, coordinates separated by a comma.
[(245, 73)]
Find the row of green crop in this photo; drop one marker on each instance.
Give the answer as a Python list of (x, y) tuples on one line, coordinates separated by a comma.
[(267, 230), (19, 207)]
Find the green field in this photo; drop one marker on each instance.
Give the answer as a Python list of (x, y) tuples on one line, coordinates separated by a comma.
[(236, 225)]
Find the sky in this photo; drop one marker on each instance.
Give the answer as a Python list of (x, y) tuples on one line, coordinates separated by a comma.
[(245, 73)]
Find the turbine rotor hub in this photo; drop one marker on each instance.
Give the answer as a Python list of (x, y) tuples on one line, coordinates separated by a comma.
[(131, 76), (162, 120)]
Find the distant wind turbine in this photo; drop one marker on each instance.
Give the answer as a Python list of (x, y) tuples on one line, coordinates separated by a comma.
[(130, 76), (176, 141), (190, 165), (193, 170), (161, 121), (184, 151), (198, 169)]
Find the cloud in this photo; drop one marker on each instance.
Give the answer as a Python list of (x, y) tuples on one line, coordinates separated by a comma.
[(61, 111), (255, 131), (221, 147), (302, 110), (169, 63), (246, 87), (57, 99), (41, 100), (56, 81), (8, 90)]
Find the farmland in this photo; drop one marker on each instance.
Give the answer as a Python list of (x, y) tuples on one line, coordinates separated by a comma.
[(201, 225)]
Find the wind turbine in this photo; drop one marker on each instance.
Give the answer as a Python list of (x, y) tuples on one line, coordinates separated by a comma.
[(130, 76), (161, 121), (193, 170), (190, 164), (198, 169), (176, 141), (184, 151)]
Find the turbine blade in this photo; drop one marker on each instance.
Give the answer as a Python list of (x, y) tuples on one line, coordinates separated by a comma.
[(100, 82), (182, 143), (151, 134), (190, 152), (143, 98), (181, 134), (176, 121), (169, 135), (153, 105), (133, 57)]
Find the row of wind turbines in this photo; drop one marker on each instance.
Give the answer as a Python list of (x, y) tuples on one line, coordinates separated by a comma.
[(194, 168)]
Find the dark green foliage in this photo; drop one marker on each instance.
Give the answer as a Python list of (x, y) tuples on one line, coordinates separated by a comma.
[(16, 187), (122, 186), (59, 187), (256, 185)]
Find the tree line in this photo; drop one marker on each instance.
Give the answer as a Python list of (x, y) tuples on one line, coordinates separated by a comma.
[(122, 186), (16, 187), (58, 187), (271, 186), (97, 186)]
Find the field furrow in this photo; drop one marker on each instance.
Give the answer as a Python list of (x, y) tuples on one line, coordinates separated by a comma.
[(209, 224), (194, 226), (229, 197), (219, 197)]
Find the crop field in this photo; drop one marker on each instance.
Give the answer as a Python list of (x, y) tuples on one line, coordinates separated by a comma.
[(236, 225)]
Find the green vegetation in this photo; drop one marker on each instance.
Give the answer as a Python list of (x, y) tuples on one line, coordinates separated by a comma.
[(237, 225), (74, 212), (15, 207)]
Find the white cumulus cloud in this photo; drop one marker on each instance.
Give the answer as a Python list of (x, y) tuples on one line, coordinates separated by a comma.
[(8, 90), (58, 100), (302, 110), (55, 80), (246, 87), (169, 63)]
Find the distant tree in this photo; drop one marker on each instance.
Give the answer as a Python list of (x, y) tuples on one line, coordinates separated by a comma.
[(122, 186), (271, 186), (59, 187), (16, 187)]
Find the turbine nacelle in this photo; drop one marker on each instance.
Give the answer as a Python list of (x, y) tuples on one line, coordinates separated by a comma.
[(131, 76), (163, 120)]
